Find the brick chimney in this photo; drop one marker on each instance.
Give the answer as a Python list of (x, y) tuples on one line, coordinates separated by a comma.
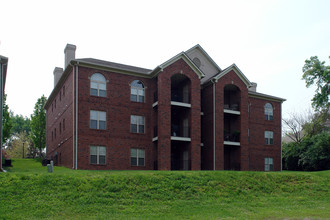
[(253, 87), (69, 53), (57, 75)]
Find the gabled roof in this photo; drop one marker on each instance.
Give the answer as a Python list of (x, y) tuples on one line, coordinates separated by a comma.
[(183, 56), (237, 71), (197, 46)]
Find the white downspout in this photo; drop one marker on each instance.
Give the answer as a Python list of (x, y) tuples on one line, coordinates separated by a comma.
[(213, 124), (77, 116), (73, 122)]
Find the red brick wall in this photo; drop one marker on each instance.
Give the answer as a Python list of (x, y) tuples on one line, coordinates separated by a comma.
[(241, 155), (117, 137), (252, 151), (164, 115), (228, 79), (257, 126), (56, 115)]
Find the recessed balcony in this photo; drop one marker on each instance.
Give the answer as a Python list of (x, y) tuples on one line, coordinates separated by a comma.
[(231, 109), (232, 138), (178, 133)]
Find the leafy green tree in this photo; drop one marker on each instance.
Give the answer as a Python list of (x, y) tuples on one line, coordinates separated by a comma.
[(311, 154), (6, 121), (318, 123), (291, 155), (317, 153), (316, 72), (38, 124), (20, 124)]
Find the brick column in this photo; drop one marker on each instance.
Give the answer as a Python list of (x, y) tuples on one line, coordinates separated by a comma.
[(164, 122)]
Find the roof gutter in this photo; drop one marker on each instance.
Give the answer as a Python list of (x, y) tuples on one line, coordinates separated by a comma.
[(108, 68)]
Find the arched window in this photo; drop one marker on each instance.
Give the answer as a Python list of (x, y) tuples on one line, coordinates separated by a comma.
[(137, 91), (268, 111), (98, 85)]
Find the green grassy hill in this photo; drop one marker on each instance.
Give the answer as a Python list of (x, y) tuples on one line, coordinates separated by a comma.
[(28, 191)]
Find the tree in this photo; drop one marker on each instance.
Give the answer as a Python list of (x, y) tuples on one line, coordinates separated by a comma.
[(310, 149), (15, 149), (317, 152), (38, 124), (309, 155), (316, 72), (318, 123), (291, 155), (6, 121), (293, 126), (20, 124)]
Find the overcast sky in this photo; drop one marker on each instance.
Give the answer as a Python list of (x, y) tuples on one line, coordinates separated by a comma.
[(268, 40)]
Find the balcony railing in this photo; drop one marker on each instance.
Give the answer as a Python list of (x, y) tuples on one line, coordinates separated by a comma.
[(179, 98), (180, 131), (176, 131), (232, 136), (233, 107)]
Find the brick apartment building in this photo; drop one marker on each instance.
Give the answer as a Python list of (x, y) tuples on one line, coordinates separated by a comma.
[(186, 114)]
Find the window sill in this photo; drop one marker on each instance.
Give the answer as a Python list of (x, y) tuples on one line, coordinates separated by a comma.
[(137, 102), (95, 129), (94, 164), (105, 97)]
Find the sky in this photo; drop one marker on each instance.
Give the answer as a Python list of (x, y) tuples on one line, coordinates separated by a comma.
[(268, 40)]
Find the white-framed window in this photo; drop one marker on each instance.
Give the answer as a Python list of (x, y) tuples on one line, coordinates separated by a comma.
[(97, 154), (98, 85), (137, 124), (269, 112), (137, 91), (269, 137), (137, 157), (98, 120), (269, 164)]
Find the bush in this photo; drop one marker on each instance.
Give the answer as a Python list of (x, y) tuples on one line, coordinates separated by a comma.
[(317, 152), (312, 154)]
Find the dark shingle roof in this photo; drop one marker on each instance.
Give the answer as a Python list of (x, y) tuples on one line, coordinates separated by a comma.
[(115, 65)]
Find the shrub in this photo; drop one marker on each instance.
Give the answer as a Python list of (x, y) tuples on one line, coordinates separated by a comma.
[(312, 154)]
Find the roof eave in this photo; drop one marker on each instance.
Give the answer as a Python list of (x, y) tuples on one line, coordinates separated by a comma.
[(237, 71), (183, 56), (4, 62), (92, 65), (109, 68), (266, 97), (58, 86)]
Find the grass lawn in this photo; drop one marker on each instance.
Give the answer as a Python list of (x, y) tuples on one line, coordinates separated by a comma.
[(28, 191)]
